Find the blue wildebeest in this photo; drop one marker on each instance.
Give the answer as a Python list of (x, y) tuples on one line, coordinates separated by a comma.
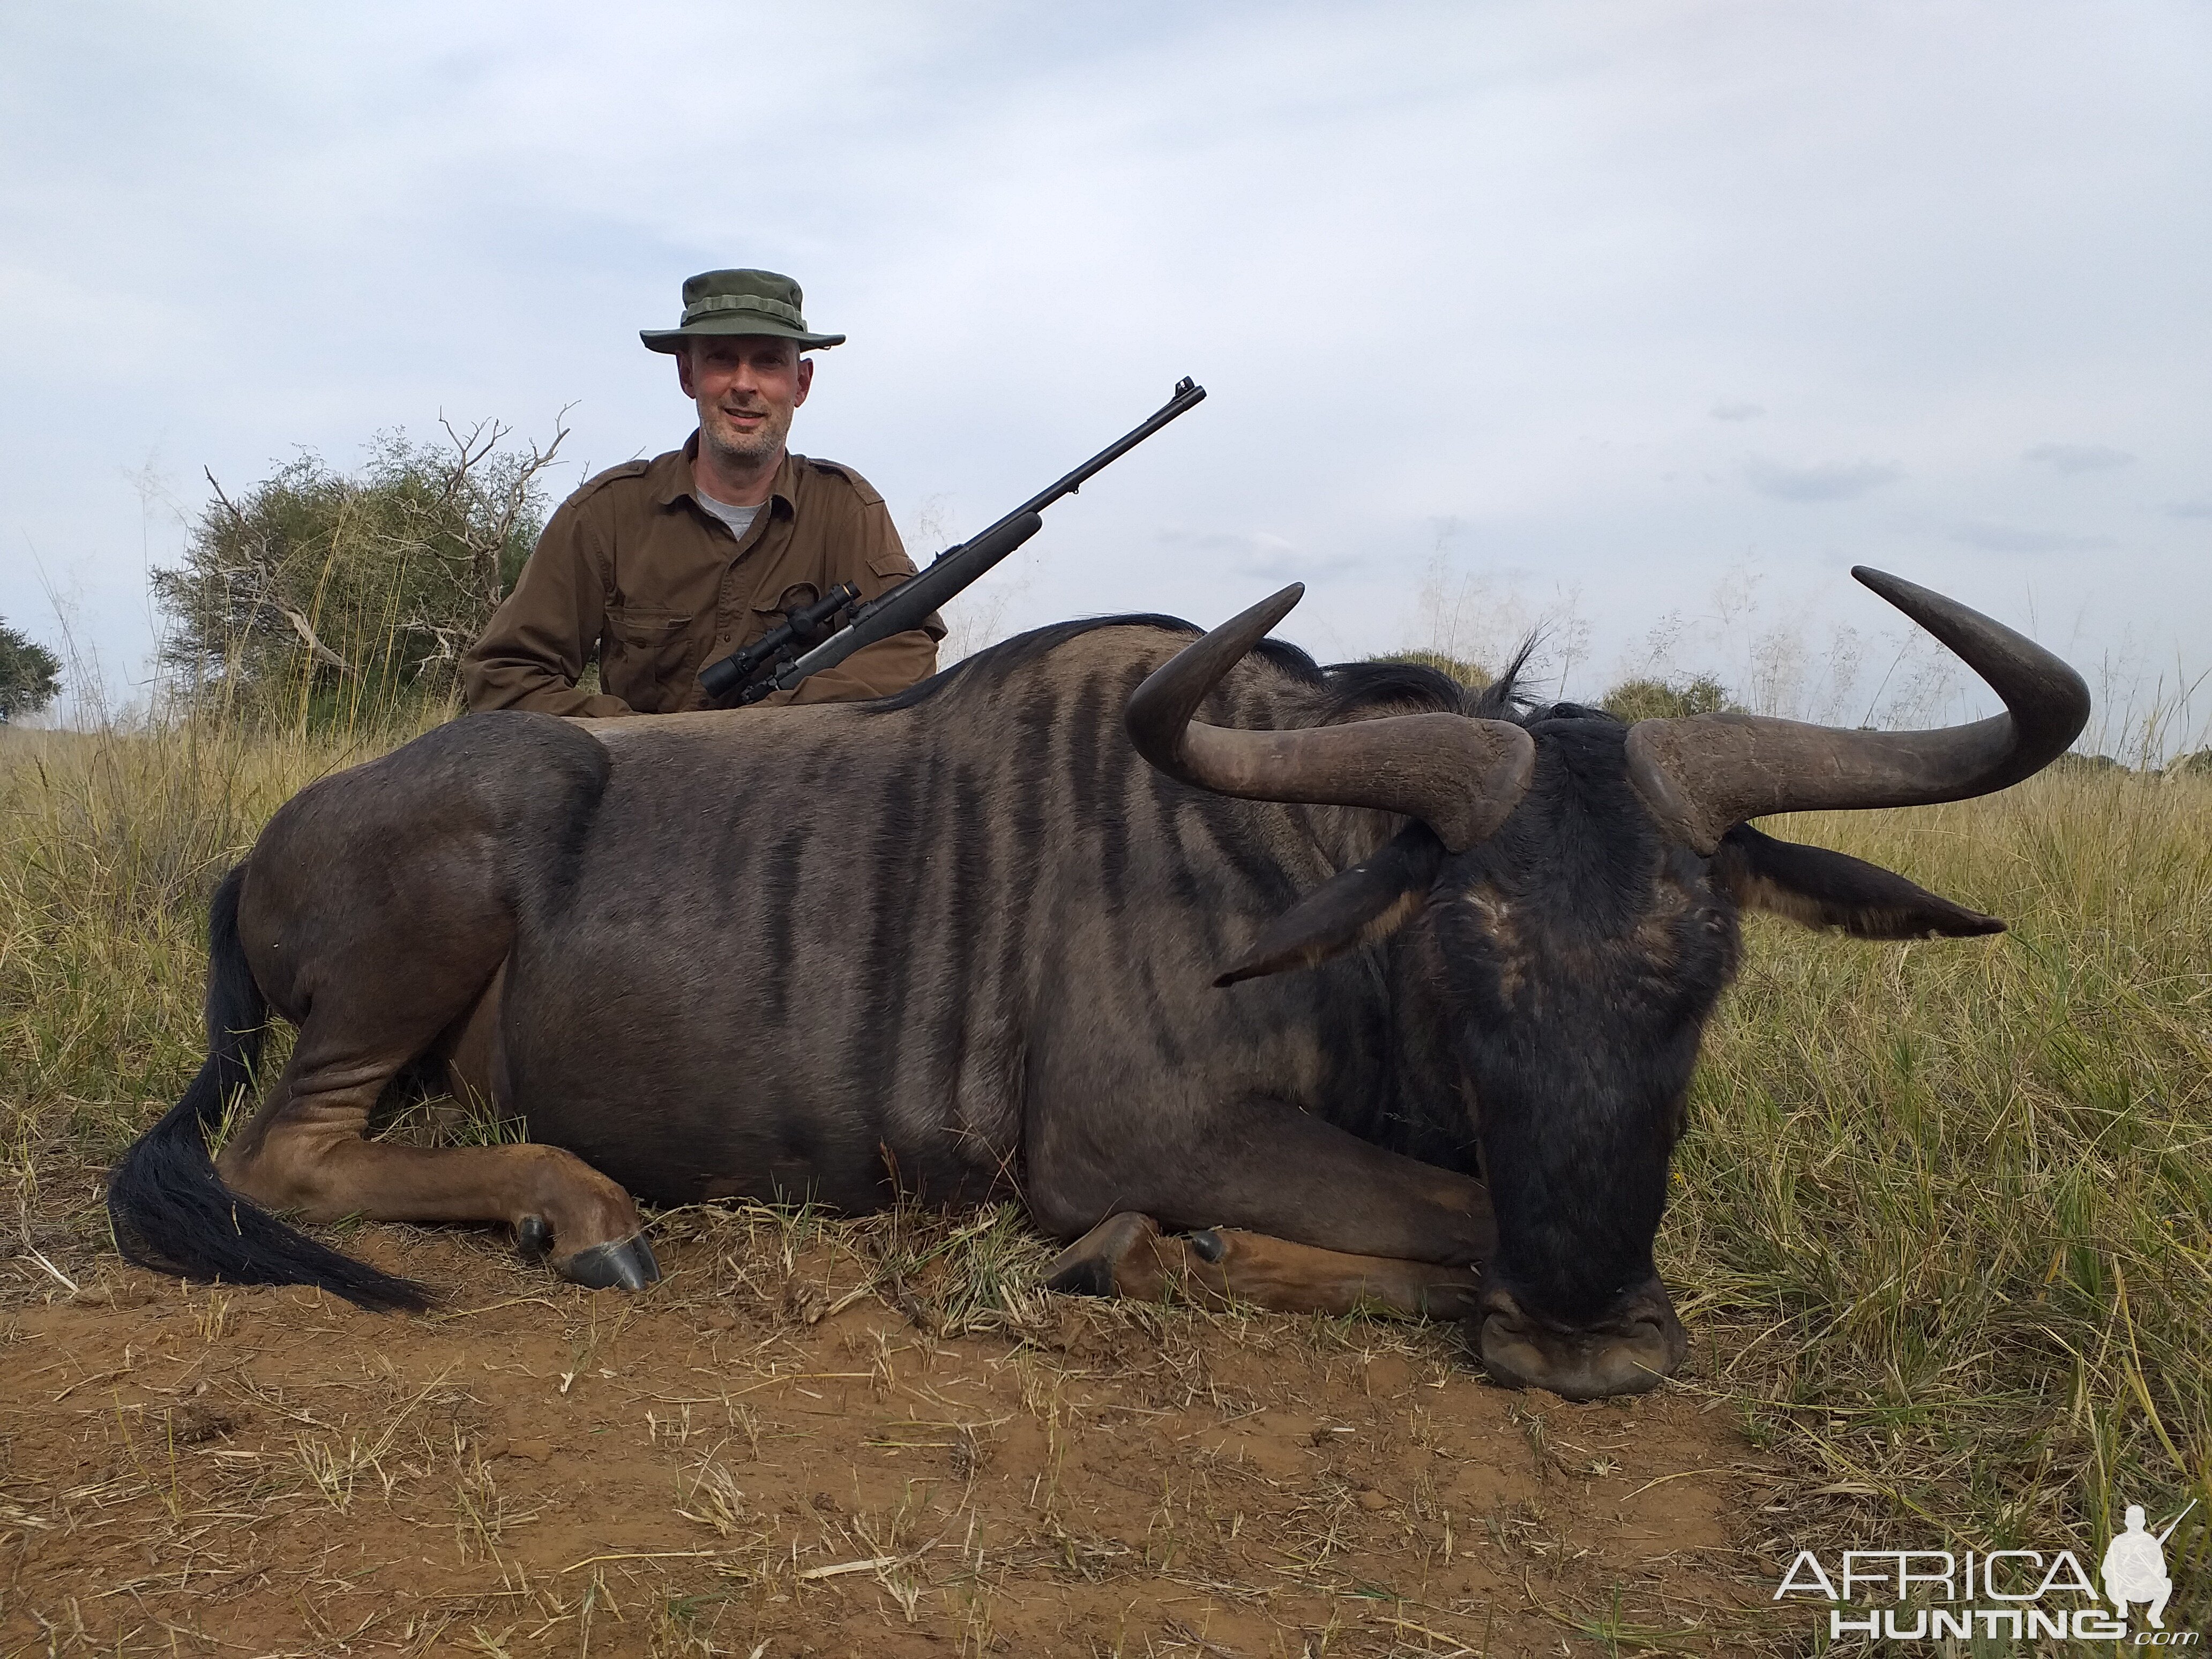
[(1361, 986)]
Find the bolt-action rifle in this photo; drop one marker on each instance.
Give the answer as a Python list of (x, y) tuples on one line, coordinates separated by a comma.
[(809, 641)]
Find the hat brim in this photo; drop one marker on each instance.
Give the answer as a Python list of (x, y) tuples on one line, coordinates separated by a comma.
[(672, 339)]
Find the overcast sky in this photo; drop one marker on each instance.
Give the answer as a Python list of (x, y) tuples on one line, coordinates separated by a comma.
[(1593, 312)]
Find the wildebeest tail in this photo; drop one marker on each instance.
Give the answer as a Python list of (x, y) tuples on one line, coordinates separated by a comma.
[(170, 1210)]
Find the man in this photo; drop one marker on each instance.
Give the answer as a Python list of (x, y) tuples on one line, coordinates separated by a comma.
[(665, 566)]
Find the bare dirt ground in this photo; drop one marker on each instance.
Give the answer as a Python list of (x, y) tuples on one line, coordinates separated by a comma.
[(861, 1438)]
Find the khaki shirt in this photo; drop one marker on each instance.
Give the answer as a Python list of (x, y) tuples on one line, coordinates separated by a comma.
[(633, 567)]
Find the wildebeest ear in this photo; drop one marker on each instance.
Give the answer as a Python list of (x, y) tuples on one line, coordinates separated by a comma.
[(1354, 907), (1821, 889)]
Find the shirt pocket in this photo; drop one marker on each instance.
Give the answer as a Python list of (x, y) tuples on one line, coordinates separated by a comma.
[(771, 608), (645, 657)]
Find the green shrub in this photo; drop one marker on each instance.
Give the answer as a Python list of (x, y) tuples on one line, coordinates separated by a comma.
[(1471, 674), (318, 597), (30, 675), (1666, 700), (2086, 764)]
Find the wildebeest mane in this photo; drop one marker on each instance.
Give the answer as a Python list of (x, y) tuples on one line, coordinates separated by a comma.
[(1356, 688)]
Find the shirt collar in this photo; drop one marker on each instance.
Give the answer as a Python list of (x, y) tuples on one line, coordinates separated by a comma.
[(673, 481)]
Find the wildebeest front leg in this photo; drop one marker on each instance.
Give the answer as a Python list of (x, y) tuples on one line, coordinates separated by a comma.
[(1127, 1254), (1260, 1166)]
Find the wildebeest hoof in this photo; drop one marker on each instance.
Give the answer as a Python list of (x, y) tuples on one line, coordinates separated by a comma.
[(1210, 1245), (625, 1264), (532, 1237), (1094, 1277), (1087, 1267)]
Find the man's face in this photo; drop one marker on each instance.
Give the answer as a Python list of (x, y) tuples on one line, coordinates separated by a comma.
[(746, 387)]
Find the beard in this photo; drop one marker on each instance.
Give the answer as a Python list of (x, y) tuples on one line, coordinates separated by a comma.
[(738, 448)]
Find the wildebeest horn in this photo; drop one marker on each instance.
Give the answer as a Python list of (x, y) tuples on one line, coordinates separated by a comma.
[(1460, 776), (1704, 774)]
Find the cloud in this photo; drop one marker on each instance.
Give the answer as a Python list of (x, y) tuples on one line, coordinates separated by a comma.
[(2077, 457), (1260, 553), (1735, 409), (2010, 538), (2199, 508), (1834, 480)]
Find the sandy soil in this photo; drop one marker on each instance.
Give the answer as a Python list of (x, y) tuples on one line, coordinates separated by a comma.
[(777, 1453)]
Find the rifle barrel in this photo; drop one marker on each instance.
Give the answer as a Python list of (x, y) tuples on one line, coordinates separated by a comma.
[(905, 605), (1189, 395)]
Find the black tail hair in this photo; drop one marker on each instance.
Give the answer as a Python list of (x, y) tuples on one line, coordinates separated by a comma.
[(170, 1210)]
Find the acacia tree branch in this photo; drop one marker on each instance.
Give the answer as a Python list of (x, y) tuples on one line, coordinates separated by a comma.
[(316, 649), (471, 451), (237, 517), (514, 501)]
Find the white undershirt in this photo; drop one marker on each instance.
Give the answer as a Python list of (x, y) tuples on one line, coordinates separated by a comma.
[(740, 519)]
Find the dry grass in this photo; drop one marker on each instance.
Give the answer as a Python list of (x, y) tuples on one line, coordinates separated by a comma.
[(109, 844), (1940, 1235), (1954, 1198)]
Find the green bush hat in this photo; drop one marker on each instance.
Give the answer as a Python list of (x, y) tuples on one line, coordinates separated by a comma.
[(739, 302)]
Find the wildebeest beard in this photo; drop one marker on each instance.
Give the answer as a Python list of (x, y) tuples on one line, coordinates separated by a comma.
[(1378, 988)]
